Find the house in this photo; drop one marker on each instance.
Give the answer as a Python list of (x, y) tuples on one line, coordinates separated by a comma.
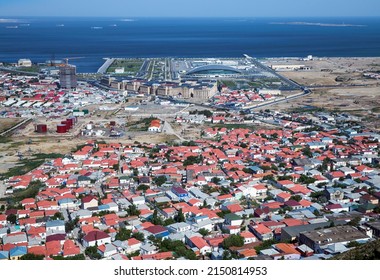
[(261, 232), (17, 252), (96, 237), (4, 255), (283, 197), (368, 199), (232, 220), (155, 126), (60, 237), (134, 245), (148, 249), (107, 250), (248, 237), (287, 251), (180, 192), (70, 249), (334, 194), (305, 250), (200, 244), (295, 205), (3, 220), (179, 227), (55, 226), (158, 231), (89, 201), (15, 238)]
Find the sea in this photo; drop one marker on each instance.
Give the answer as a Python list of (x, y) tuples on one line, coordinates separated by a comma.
[(90, 40)]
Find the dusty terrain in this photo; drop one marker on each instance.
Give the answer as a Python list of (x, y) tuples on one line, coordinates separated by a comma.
[(324, 71), (354, 94), (8, 123)]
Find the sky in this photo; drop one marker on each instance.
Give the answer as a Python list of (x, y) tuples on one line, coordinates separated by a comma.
[(191, 8)]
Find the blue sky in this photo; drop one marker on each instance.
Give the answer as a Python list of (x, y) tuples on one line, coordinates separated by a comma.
[(190, 8)]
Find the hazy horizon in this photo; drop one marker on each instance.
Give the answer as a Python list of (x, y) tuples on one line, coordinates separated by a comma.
[(194, 8)]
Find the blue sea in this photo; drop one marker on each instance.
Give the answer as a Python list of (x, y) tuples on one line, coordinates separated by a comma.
[(42, 39)]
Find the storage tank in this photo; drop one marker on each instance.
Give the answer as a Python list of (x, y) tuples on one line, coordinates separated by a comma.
[(41, 128), (61, 128), (74, 119), (71, 122), (68, 127)]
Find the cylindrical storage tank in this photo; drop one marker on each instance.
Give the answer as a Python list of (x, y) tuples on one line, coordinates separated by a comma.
[(71, 122), (112, 123), (89, 126), (61, 128), (74, 119), (41, 128), (67, 125)]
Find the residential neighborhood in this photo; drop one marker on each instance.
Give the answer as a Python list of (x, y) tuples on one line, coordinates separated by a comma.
[(307, 189)]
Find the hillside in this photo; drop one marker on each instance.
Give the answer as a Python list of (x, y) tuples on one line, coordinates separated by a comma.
[(369, 251)]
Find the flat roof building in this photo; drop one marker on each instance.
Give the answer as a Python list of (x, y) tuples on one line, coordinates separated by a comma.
[(322, 238)]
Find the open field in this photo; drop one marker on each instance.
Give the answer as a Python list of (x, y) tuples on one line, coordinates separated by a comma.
[(7, 123), (328, 71), (131, 66), (332, 81)]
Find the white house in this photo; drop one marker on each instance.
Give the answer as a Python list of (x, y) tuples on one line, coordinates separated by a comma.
[(107, 250), (96, 237), (200, 244), (179, 227), (133, 245), (56, 226)]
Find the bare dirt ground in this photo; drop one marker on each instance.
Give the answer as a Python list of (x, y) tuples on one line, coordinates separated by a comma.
[(362, 101), (324, 71), (8, 123)]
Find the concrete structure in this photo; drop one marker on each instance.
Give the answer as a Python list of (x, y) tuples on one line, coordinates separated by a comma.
[(24, 62), (320, 239)]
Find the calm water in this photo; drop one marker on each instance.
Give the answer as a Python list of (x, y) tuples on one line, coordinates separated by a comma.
[(44, 38)]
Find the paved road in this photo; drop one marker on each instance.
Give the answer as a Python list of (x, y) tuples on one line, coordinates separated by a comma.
[(105, 66), (168, 129)]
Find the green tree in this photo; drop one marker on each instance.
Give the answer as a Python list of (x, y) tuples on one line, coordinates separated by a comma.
[(190, 160), (156, 220), (143, 188), (70, 225), (92, 253), (31, 256), (307, 152), (12, 218), (204, 232), (138, 235), (296, 197), (233, 240), (306, 180), (180, 216), (123, 234), (160, 180), (215, 180), (58, 216), (133, 211), (352, 244)]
